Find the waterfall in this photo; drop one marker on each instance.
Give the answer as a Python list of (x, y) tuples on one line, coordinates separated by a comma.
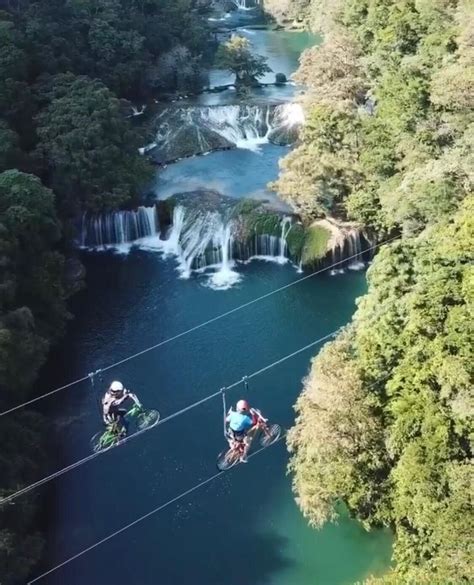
[(243, 5), (171, 244), (285, 229), (224, 277), (347, 250), (243, 126), (201, 241), (355, 249), (147, 148), (118, 227), (206, 241), (203, 129)]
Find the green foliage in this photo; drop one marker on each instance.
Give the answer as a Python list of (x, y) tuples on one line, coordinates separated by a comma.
[(385, 419), (315, 244), (90, 151), (414, 59), (265, 223), (318, 174), (32, 296), (235, 55), (70, 135), (9, 147), (337, 441), (116, 41), (414, 325), (295, 240), (32, 314)]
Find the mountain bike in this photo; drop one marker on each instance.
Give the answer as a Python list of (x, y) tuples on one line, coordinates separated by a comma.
[(269, 433), (117, 431)]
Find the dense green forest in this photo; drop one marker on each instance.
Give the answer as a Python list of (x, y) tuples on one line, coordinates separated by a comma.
[(384, 423), (67, 145)]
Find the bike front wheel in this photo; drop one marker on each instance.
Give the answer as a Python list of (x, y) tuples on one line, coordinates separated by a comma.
[(227, 459), (270, 434), (148, 418)]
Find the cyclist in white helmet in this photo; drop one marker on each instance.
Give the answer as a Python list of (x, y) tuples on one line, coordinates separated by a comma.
[(115, 396)]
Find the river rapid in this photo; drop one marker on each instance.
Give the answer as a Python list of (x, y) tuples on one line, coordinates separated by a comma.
[(244, 527)]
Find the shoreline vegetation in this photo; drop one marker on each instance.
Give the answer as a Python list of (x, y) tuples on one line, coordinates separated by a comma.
[(384, 420), (69, 71)]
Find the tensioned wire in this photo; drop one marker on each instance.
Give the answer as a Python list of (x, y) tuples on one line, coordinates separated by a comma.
[(192, 329), (173, 500), (141, 518), (48, 478)]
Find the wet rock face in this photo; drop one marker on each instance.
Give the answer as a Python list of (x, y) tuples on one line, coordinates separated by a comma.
[(283, 135), (188, 140)]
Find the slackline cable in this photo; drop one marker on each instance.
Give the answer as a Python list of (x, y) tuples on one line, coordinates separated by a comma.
[(162, 506), (192, 329), (141, 518), (48, 478)]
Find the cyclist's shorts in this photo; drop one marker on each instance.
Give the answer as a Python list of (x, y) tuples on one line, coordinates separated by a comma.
[(237, 435)]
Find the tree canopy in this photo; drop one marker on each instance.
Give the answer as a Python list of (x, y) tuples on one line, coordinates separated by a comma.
[(89, 148), (67, 146), (384, 423)]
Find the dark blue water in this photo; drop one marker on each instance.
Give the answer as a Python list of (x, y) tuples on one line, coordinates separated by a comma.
[(249, 513)]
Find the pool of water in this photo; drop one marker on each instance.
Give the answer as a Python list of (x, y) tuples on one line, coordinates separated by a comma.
[(239, 173), (282, 50), (248, 515)]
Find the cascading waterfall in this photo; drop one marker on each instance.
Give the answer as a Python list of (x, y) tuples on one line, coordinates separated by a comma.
[(204, 241), (118, 227), (349, 247), (355, 249), (199, 240), (244, 126), (224, 277), (244, 4), (137, 112), (285, 229), (203, 129)]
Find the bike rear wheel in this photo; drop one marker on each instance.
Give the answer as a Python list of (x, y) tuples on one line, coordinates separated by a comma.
[(227, 459), (269, 435), (147, 418)]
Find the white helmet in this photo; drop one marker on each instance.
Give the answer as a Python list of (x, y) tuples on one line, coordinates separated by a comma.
[(116, 387)]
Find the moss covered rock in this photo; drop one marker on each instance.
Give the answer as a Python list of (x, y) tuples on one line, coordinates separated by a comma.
[(315, 244)]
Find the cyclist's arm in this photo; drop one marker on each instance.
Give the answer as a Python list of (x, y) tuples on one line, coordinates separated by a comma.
[(106, 410), (133, 397), (258, 416)]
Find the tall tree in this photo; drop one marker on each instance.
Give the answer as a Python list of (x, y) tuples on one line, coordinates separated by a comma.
[(236, 56)]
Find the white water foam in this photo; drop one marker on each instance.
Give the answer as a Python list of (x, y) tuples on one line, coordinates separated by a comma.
[(357, 265)]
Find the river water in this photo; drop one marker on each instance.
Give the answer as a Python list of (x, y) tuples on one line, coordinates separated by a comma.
[(245, 525)]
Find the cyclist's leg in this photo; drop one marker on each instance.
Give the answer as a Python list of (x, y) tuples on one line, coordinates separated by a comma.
[(122, 422), (246, 441)]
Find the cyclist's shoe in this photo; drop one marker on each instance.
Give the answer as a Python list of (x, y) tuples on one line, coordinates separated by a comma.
[(244, 459)]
